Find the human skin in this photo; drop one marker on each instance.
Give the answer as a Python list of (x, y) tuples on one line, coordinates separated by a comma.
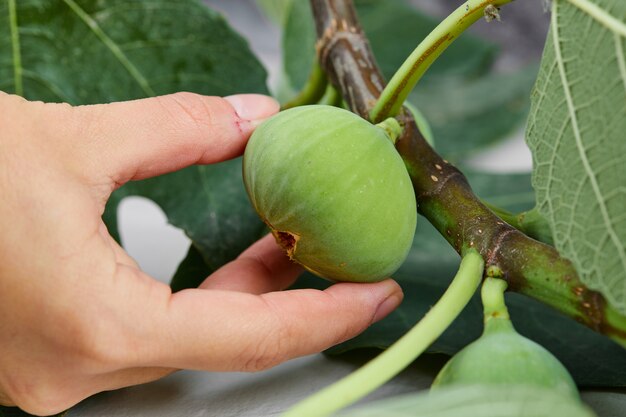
[(78, 316)]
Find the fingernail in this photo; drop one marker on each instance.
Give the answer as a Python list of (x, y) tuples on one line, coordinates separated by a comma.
[(387, 306), (253, 107)]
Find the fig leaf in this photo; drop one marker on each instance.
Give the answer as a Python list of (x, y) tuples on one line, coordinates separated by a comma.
[(577, 132)]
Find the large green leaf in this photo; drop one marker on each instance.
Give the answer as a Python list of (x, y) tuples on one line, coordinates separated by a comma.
[(577, 134), (592, 359), (83, 52), (191, 271), (476, 401)]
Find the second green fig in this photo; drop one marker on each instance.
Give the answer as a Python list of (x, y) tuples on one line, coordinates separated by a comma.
[(503, 357)]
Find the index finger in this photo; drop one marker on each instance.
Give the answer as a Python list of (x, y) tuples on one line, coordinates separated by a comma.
[(143, 138)]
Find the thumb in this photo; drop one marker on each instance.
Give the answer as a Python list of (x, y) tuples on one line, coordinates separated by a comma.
[(143, 138)]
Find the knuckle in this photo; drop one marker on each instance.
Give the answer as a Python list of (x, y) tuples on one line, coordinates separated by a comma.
[(204, 120), (272, 348), (257, 265), (264, 355), (192, 110)]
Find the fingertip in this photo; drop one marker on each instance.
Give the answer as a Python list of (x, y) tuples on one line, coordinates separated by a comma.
[(376, 292), (380, 297), (253, 108), (388, 305)]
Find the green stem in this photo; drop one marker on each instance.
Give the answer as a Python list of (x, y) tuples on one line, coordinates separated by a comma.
[(407, 76), (332, 97), (397, 357), (15, 44), (535, 225), (530, 222), (507, 216), (312, 91), (492, 296), (392, 128)]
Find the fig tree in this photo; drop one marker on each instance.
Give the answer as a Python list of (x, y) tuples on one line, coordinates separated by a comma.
[(333, 190)]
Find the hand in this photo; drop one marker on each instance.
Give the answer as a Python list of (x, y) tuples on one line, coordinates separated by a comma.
[(77, 314)]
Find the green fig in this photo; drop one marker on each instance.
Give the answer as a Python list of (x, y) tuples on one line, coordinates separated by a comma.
[(501, 356), (333, 190)]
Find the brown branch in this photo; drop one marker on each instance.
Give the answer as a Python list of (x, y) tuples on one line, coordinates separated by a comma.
[(443, 194)]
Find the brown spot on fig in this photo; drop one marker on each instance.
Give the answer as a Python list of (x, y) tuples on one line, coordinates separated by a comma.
[(287, 240)]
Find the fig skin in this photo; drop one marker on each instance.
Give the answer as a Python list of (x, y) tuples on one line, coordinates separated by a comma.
[(501, 356), (333, 190)]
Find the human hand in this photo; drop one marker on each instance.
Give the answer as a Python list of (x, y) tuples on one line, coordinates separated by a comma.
[(79, 316)]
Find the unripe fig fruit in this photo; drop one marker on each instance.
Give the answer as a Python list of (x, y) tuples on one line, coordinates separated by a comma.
[(501, 356), (333, 190)]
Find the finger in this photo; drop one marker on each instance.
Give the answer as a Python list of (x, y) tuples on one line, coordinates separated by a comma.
[(144, 138), (262, 268), (228, 331)]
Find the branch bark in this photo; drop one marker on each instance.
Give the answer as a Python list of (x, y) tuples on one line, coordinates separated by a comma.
[(444, 195)]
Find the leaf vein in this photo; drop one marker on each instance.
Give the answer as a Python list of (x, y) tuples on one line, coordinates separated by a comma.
[(112, 46), (601, 16), (621, 61), (578, 139)]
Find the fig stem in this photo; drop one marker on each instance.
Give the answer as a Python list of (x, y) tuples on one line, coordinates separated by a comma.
[(411, 71), (392, 128), (492, 296), (495, 314), (312, 91), (404, 351)]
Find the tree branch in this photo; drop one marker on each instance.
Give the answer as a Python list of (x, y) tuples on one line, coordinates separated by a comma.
[(443, 194)]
